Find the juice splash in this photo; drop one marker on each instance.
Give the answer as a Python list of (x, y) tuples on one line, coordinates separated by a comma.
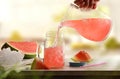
[(95, 29), (53, 57)]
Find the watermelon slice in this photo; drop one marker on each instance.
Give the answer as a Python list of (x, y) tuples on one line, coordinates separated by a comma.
[(82, 56), (38, 64), (28, 48)]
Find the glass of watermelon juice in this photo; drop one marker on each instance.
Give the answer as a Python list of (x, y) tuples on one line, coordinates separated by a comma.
[(53, 52)]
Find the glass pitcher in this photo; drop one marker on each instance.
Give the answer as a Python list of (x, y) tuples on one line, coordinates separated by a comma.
[(93, 25)]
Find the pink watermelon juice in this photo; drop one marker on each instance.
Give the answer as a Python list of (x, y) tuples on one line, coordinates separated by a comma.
[(95, 29), (53, 57)]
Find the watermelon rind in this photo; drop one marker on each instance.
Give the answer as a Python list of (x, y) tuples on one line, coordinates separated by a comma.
[(75, 59), (6, 45), (29, 56), (33, 64), (38, 64), (26, 56)]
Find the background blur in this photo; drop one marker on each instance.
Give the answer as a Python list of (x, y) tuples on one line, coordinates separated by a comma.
[(33, 18)]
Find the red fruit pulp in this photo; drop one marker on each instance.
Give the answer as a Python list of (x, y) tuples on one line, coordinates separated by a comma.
[(82, 56), (38, 64), (26, 47), (95, 29)]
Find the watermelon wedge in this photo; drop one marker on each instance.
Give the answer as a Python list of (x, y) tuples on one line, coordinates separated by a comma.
[(38, 64), (28, 48), (82, 56)]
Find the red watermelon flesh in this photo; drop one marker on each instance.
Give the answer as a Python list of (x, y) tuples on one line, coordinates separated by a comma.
[(38, 64), (28, 48), (25, 47), (82, 56)]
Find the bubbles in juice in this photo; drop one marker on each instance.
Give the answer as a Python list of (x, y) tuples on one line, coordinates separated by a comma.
[(53, 57)]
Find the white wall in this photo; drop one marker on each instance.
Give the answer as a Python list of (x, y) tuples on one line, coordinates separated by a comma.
[(29, 17), (33, 17), (114, 14)]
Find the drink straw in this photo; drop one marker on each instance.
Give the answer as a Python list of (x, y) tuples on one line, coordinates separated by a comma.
[(93, 65)]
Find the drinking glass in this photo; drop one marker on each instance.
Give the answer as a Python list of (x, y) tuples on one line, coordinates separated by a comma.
[(53, 51)]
